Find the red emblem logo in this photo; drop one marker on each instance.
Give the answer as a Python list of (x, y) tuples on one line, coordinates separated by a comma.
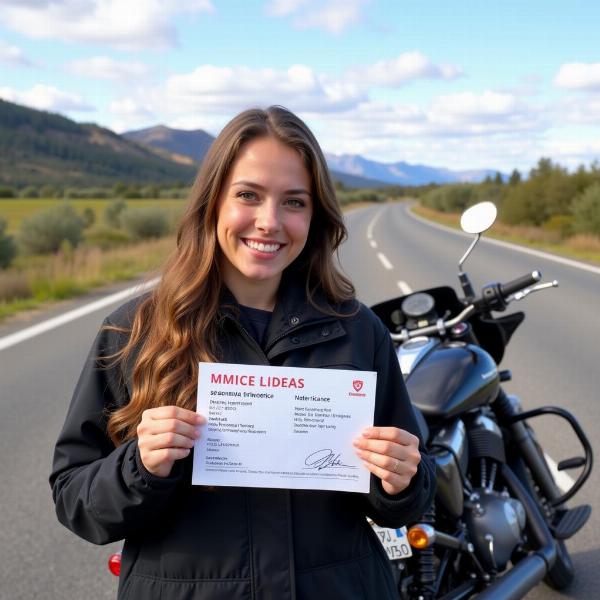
[(357, 385)]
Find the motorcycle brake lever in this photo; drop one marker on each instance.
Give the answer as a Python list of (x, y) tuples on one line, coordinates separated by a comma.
[(536, 288)]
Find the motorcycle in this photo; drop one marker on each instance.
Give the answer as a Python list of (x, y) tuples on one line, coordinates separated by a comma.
[(498, 523)]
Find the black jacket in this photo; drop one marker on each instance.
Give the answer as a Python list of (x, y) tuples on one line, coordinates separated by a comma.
[(190, 542)]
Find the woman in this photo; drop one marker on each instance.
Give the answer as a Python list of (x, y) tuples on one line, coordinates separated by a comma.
[(252, 281)]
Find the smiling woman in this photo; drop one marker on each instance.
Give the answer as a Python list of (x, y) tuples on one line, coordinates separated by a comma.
[(263, 219), (252, 281)]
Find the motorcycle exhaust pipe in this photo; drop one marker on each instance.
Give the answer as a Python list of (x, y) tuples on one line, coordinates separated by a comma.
[(527, 573)]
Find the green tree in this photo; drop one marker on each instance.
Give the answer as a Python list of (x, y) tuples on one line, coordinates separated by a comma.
[(498, 179), (586, 211), (515, 178)]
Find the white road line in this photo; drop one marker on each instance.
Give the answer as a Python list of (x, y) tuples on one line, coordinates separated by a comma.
[(486, 240), (372, 223), (404, 288), (29, 332), (373, 243), (384, 261), (563, 481)]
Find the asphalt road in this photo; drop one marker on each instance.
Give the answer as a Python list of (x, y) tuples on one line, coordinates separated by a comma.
[(554, 359)]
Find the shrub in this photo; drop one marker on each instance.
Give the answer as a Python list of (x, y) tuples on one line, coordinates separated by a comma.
[(88, 216), (173, 193), (145, 222), (14, 285), (450, 198), (50, 191), (29, 192), (88, 192), (561, 224), (106, 237), (8, 248), (6, 192), (46, 231), (113, 211), (586, 211)]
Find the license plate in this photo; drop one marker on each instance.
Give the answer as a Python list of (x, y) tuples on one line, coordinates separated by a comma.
[(394, 542)]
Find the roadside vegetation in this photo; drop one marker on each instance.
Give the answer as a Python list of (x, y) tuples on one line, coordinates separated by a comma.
[(57, 248), (552, 209), (57, 243)]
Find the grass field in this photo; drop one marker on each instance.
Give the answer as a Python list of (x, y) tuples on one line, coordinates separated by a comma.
[(14, 210)]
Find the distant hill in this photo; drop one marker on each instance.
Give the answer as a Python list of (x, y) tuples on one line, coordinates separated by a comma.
[(194, 144), (402, 173), (37, 147)]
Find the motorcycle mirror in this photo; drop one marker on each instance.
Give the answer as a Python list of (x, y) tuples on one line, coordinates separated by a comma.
[(478, 218)]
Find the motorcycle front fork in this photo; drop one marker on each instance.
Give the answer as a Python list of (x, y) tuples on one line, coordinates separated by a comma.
[(507, 407)]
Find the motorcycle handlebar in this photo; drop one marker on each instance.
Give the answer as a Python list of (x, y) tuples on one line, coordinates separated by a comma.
[(496, 294), (516, 285)]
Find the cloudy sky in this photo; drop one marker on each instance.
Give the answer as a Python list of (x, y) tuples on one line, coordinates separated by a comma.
[(458, 84)]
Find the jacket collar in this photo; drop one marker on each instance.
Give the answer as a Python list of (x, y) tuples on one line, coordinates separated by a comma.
[(295, 320)]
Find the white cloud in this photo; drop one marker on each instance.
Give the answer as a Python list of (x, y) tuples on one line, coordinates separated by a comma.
[(130, 110), (120, 23), (230, 89), (477, 112), (130, 114), (580, 109), (334, 16), (13, 55), (571, 153), (45, 97), (283, 8), (579, 76), (104, 67), (458, 115), (460, 131), (401, 70)]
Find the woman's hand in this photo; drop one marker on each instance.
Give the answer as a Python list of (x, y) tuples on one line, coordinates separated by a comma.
[(166, 434), (391, 454)]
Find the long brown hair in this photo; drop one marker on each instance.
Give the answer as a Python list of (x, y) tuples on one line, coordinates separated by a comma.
[(175, 327)]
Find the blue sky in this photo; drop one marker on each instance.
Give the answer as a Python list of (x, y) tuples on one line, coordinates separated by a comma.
[(457, 84)]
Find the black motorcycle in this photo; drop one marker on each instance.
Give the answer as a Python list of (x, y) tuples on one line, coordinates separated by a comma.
[(499, 520)]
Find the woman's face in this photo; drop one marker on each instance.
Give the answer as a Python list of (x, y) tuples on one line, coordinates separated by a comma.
[(263, 219)]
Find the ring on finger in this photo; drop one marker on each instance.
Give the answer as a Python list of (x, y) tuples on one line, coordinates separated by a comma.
[(397, 466)]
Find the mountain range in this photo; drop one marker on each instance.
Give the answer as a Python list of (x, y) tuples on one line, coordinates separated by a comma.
[(37, 147), (183, 143)]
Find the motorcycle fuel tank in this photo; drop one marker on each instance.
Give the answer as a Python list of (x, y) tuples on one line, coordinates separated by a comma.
[(453, 378)]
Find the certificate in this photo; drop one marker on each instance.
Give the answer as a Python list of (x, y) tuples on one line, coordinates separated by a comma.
[(282, 427)]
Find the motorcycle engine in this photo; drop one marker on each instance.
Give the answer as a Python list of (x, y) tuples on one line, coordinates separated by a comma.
[(495, 523)]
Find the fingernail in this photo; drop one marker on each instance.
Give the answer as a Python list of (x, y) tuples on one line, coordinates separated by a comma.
[(366, 433), (200, 419), (197, 433)]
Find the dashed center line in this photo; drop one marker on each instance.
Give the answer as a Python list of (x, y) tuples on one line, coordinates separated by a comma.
[(384, 261), (404, 288), (372, 224), (373, 243)]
